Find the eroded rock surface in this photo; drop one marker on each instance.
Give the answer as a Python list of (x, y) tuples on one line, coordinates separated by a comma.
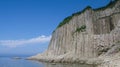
[(92, 37)]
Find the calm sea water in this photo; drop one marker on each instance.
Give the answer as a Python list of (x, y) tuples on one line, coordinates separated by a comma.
[(8, 62)]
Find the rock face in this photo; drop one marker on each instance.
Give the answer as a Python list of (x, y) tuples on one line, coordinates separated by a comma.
[(91, 34)]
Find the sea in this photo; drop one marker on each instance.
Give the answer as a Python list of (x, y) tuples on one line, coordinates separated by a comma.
[(10, 62)]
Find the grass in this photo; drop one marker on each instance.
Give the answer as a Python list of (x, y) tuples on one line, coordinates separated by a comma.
[(80, 12), (81, 29), (67, 19), (110, 5)]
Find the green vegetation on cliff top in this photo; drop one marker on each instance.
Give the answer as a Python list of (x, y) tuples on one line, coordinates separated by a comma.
[(67, 19), (110, 5)]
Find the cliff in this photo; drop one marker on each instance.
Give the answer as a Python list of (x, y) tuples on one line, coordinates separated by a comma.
[(86, 37)]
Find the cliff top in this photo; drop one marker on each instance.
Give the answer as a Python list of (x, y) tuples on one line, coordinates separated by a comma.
[(67, 19)]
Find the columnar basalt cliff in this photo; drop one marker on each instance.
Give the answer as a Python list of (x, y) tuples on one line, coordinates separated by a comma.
[(85, 36)]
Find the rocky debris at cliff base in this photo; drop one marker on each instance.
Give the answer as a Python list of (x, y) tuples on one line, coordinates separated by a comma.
[(111, 60)]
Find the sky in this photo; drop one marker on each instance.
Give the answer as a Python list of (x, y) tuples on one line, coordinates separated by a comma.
[(26, 26)]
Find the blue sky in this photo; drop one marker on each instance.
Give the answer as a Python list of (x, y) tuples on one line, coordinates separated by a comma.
[(26, 25)]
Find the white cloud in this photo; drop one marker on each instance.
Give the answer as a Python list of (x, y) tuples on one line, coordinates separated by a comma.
[(15, 43)]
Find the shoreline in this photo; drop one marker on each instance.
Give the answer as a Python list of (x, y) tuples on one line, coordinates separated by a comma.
[(112, 60), (55, 63)]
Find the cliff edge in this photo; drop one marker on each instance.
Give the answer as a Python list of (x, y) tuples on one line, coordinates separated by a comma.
[(91, 36)]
